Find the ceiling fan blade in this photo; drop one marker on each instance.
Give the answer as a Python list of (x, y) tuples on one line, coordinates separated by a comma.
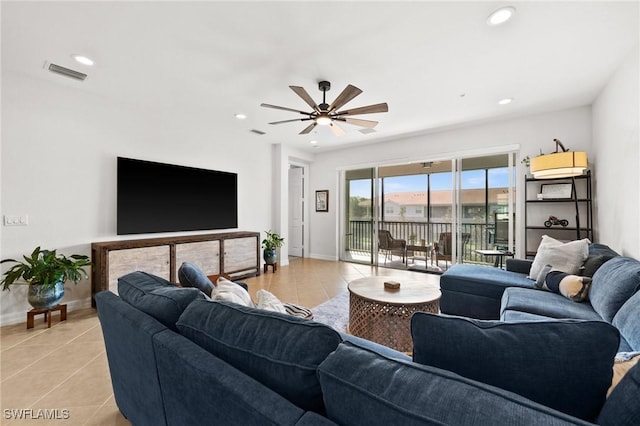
[(369, 109), (305, 97), (284, 108), (360, 122), (337, 130), (290, 121), (308, 129), (347, 94)]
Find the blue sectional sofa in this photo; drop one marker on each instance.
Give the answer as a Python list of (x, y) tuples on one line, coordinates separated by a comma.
[(176, 358), (476, 291)]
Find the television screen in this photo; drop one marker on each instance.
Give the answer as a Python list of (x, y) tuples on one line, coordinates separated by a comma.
[(156, 197)]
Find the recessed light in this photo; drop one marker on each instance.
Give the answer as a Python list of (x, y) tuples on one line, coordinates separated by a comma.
[(505, 101), (314, 142), (83, 60), (241, 116), (501, 15)]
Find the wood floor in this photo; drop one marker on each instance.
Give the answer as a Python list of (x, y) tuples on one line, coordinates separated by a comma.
[(64, 369)]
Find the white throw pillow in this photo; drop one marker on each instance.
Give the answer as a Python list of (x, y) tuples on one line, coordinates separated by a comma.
[(231, 292), (269, 302), (566, 257)]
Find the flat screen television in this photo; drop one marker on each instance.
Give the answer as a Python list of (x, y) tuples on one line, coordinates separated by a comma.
[(157, 197)]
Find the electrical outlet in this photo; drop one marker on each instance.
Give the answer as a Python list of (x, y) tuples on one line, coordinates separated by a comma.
[(11, 220)]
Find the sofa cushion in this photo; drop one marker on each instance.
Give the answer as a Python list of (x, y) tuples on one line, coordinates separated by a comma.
[(598, 255), (201, 389), (156, 296), (406, 393), (613, 284), (279, 350), (627, 321), (566, 257), (546, 304), (484, 281), (563, 364), (519, 316), (190, 275), (622, 406)]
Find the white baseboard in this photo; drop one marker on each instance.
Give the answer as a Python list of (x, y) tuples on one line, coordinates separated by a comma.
[(18, 317), (323, 257)]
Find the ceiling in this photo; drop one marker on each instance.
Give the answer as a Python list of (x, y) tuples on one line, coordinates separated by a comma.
[(437, 64)]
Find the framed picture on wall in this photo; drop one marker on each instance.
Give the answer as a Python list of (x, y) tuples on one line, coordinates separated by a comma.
[(322, 200)]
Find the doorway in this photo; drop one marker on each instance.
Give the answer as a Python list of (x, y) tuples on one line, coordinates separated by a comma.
[(296, 211)]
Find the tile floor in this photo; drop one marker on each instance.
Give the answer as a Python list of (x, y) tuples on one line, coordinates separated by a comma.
[(63, 372)]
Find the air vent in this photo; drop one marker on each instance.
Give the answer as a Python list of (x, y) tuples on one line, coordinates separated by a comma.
[(258, 132), (67, 72)]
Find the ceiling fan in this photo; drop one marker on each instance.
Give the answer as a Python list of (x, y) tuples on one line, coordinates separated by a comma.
[(328, 115)]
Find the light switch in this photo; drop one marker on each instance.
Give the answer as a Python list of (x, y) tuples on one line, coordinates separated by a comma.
[(11, 220)]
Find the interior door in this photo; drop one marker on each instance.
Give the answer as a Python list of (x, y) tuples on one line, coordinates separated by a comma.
[(296, 210)]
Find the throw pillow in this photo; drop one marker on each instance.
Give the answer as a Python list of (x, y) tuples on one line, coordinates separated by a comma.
[(231, 292), (563, 364), (280, 351), (190, 275), (269, 302), (598, 255), (298, 311), (566, 257), (573, 287), (156, 296), (624, 362)]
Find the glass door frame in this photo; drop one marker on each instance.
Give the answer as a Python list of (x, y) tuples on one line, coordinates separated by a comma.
[(512, 151), (344, 217)]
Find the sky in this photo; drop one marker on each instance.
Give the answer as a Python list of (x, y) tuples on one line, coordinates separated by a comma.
[(471, 179)]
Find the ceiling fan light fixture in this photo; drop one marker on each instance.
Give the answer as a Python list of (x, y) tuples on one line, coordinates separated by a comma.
[(323, 120), (500, 16)]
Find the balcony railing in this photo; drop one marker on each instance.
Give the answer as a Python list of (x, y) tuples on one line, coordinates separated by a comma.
[(359, 236)]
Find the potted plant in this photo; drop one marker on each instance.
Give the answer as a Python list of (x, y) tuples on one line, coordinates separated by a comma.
[(45, 272), (270, 245)]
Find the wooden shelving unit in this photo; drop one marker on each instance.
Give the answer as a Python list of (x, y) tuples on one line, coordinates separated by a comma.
[(576, 209)]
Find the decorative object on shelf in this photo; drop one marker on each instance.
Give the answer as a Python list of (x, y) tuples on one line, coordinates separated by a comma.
[(270, 245), (555, 221), (45, 272), (559, 164), (322, 200), (557, 191)]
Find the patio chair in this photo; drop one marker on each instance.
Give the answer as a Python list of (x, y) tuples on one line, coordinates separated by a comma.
[(391, 246), (442, 249)]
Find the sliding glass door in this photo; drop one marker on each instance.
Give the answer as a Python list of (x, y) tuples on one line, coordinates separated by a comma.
[(442, 211)]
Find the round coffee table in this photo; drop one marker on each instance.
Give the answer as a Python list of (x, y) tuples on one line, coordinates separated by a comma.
[(383, 315)]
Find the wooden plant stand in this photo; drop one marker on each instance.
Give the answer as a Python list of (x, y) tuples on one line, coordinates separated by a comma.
[(274, 266), (62, 308)]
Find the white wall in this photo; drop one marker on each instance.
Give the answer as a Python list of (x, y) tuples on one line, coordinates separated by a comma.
[(59, 149), (616, 117), (532, 133)]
